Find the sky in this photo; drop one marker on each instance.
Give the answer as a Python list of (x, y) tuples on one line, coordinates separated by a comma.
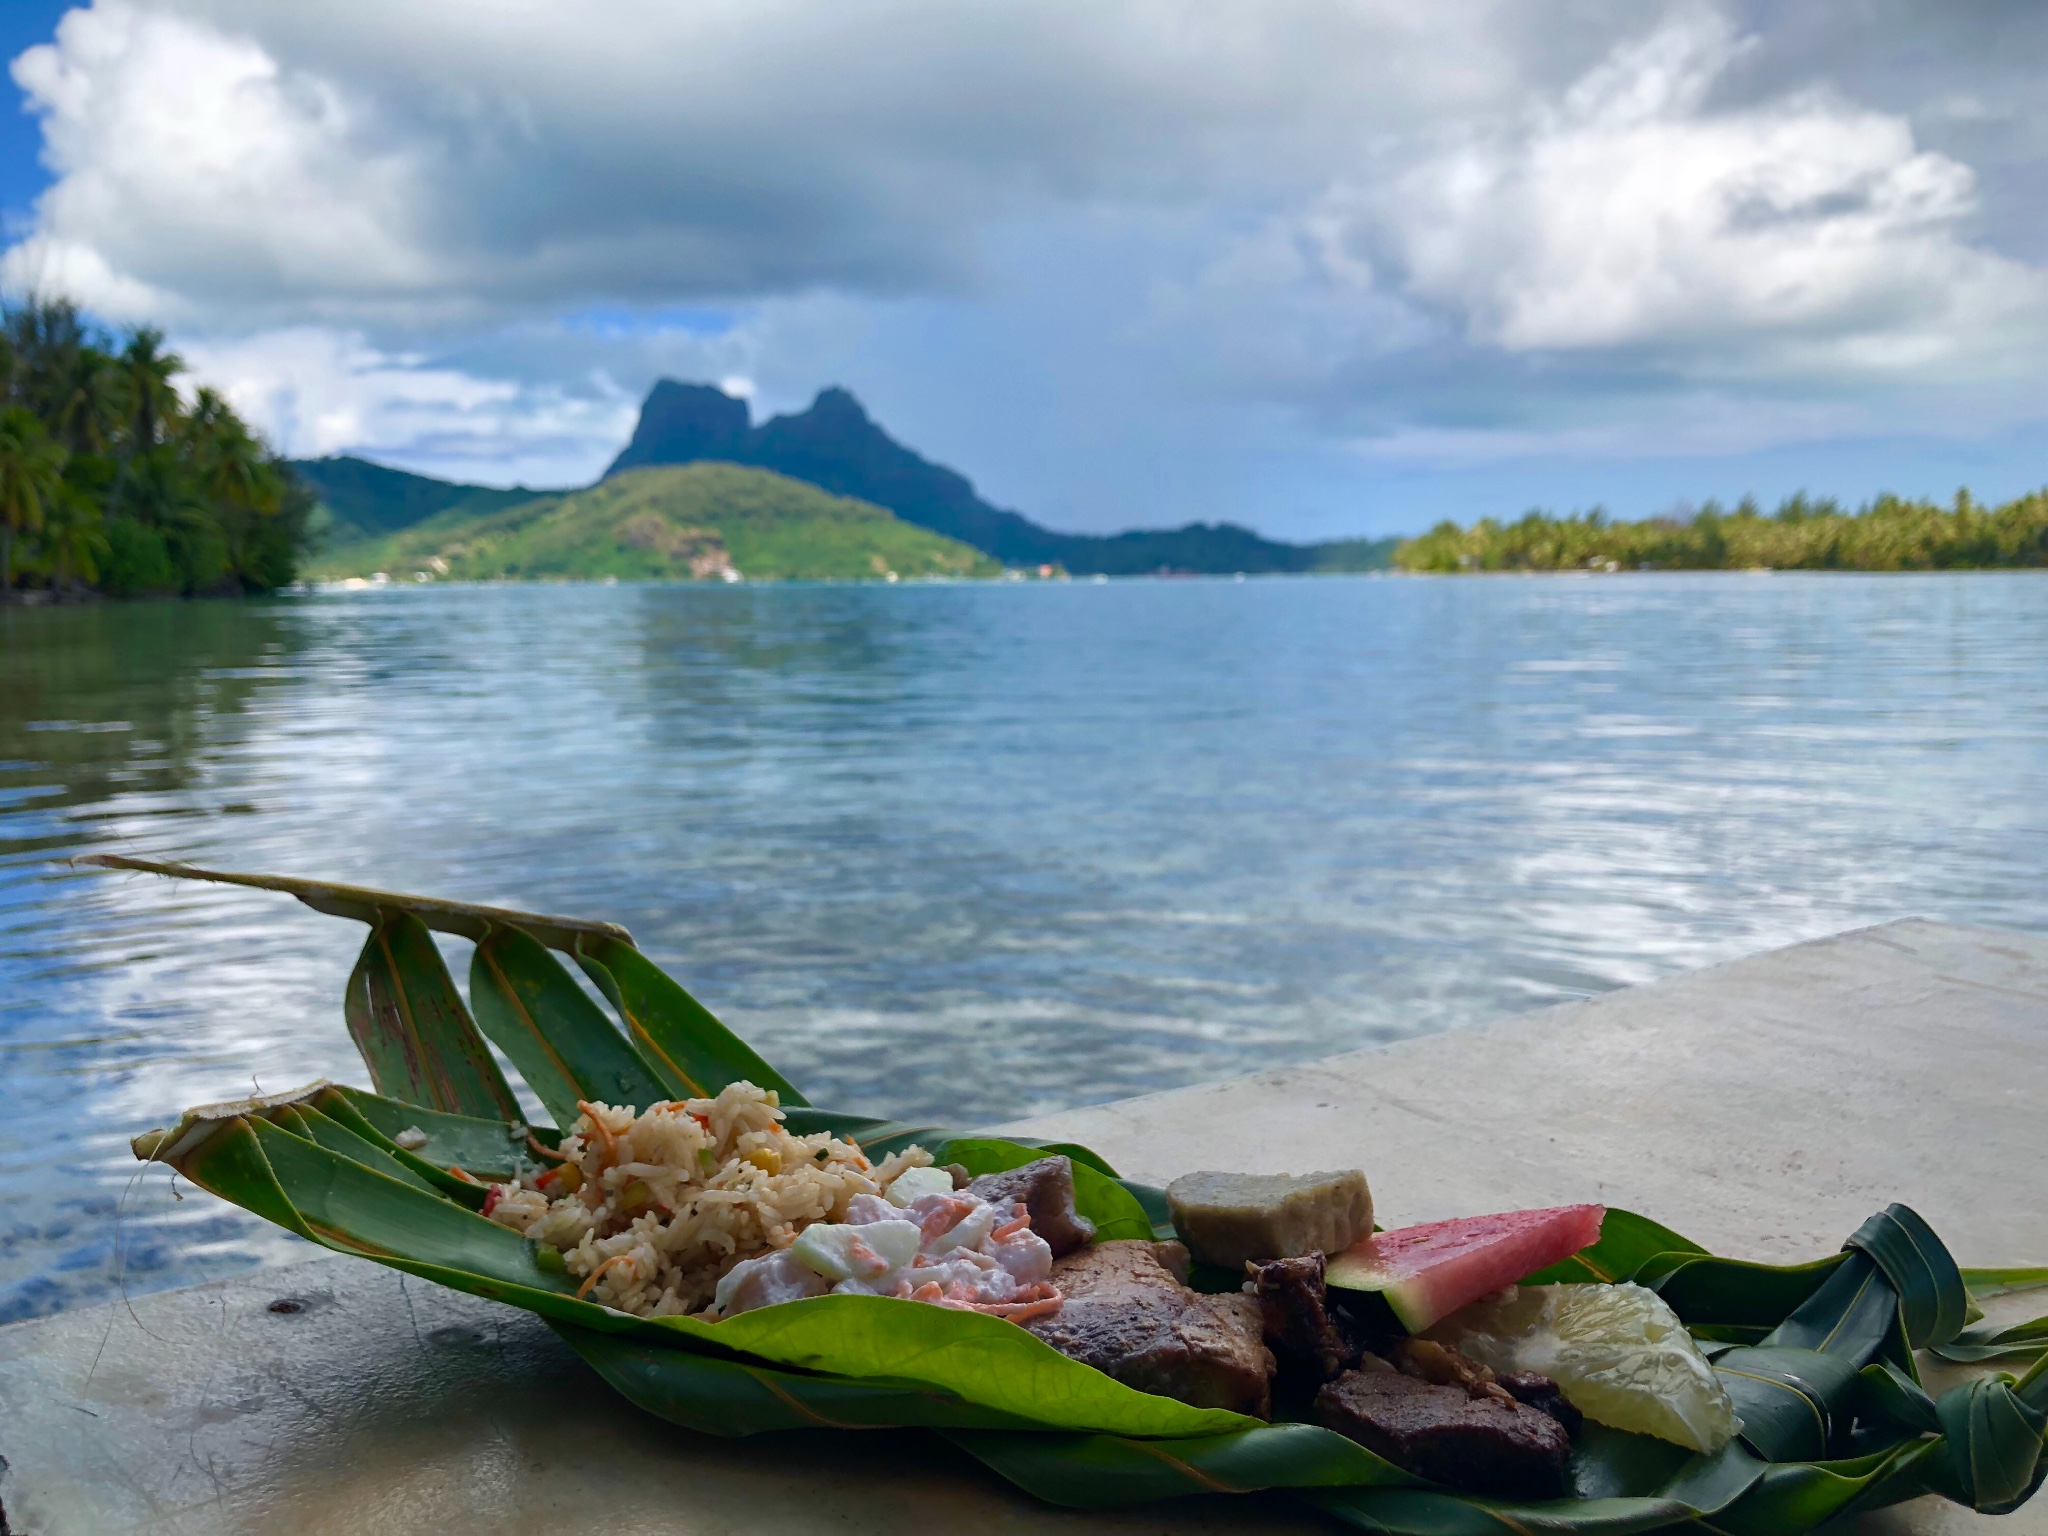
[(1323, 267)]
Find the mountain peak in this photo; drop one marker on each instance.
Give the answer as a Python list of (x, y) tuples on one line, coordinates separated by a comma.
[(837, 403), (836, 446), (681, 423)]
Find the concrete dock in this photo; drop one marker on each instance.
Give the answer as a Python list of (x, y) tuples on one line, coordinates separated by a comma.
[(1764, 1108)]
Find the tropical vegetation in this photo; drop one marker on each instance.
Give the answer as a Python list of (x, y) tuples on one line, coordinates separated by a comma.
[(1804, 533), (111, 480)]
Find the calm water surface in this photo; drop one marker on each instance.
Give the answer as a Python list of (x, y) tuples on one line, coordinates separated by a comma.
[(971, 851)]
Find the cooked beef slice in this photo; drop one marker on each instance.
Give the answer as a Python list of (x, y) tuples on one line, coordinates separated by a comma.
[(1476, 1444), (1229, 1218), (1047, 1189), (1294, 1310), (1545, 1396), (1127, 1314)]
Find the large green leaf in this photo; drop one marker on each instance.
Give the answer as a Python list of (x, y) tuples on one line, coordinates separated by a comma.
[(561, 1042), (689, 1050), (412, 1030), (720, 1396)]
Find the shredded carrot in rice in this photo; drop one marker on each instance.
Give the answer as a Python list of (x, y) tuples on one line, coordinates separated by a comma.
[(604, 1132), (592, 1278)]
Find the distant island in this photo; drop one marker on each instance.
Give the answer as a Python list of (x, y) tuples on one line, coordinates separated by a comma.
[(1889, 534), (687, 522), (834, 446)]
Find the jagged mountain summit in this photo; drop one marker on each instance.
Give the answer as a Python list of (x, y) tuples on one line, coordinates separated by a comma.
[(837, 446)]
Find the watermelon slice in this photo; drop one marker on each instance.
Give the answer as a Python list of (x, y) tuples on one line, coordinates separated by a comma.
[(1430, 1271)]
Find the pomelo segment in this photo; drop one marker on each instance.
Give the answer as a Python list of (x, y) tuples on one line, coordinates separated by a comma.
[(1430, 1271)]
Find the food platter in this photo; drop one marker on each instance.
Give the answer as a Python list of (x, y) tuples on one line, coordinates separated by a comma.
[(1834, 1417)]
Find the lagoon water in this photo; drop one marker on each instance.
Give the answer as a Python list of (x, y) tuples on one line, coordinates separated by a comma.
[(966, 851)]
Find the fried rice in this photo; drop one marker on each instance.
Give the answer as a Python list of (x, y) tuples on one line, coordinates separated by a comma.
[(650, 1209)]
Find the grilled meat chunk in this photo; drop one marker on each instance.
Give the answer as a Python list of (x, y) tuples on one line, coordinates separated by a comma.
[(1128, 1314), (1294, 1308), (1476, 1444), (1047, 1189), (1545, 1396)]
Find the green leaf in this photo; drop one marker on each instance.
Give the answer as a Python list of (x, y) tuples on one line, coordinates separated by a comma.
[(1627, 1242), (561, 1041), (1708, 1291), (1850, 1316), (876, 1137), (2022, 1341), (1900, 1398), (718, 1396), (366, 905), (1096, 1471), (1933, 1300), (1790, 1400), (1113, 1208), (688, 1049), (1994, 1443), (412, 1030), (308, 1122), (492, 1150), (1987, 1283), (1152, 1200)]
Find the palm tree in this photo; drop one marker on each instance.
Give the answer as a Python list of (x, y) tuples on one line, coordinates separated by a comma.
[(230, 462), (31, 471), (147, 370), (87, 406), (44, 337), (76, 535)]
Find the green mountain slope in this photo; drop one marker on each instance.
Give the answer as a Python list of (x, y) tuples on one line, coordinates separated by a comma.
[(687, 522), (366, 501)]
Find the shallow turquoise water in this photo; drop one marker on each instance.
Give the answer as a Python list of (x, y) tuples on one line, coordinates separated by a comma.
[(978, 850)]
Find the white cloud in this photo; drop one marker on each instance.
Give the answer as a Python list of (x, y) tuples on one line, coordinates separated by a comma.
[(1791, 236), (191, 169), (314, 391)]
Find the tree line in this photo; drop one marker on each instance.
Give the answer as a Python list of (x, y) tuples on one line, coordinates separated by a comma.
[(112, 480), (1804, 533)]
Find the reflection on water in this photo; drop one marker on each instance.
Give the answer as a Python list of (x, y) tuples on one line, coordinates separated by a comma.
[(971, 851)]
